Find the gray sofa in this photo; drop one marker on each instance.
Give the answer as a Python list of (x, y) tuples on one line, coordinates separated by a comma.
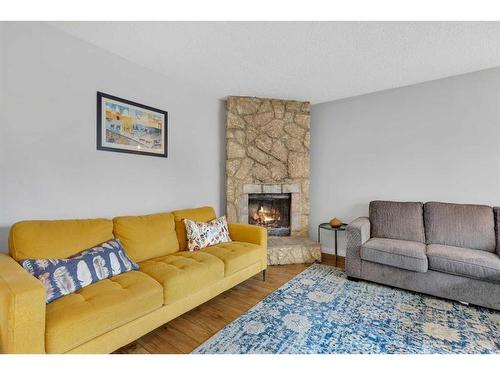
[(447, 250)]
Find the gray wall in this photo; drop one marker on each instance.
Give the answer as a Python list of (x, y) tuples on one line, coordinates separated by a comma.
[(438, 140), (49, 165), (434, 141)]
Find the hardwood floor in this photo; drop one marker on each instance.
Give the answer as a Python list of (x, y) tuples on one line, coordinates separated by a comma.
[(330, 260), (188, 331)]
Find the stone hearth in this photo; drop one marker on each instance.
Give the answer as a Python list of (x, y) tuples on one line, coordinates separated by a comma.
[(267, 145), (289, 250)]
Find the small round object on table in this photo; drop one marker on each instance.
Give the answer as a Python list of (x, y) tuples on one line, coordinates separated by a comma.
[(336, 223)]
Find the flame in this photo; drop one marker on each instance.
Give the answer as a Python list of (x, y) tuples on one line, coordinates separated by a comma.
[(265, 216)]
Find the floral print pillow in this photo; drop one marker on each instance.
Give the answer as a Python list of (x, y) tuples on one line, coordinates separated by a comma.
[(201, 234), (65, 276)]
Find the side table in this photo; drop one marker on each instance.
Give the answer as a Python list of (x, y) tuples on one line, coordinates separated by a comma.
[(327, 226)]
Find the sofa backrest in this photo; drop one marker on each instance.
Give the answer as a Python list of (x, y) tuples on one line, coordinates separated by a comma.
[(397, 220), (43, 239), (147, 236), (143, 237), (195, 214), (461, 225)]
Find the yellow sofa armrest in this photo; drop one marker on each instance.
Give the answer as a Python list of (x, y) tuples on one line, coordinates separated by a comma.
[(22, 309), (248, 233), (251, 234)]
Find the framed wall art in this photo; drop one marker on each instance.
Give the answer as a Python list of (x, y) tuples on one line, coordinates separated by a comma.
[(126, 126)]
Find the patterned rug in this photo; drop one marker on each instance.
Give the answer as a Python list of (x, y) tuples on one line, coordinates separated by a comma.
[(320, 311)]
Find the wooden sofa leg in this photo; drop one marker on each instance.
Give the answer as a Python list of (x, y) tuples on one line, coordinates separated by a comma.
[(264, 275)]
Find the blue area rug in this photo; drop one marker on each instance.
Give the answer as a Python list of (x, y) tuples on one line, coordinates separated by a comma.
[(320, 311)]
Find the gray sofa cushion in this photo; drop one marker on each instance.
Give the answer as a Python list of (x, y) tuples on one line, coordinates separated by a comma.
[(480, 265), (496, 214), (463, 225), (408, 255), (397, 220)]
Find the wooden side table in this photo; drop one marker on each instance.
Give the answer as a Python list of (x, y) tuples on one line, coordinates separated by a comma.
[(327, 226)]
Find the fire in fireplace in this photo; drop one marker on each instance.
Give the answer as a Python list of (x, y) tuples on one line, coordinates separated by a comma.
[(271, 211)]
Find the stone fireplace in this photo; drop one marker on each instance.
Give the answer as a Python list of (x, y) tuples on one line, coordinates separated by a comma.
[(267, 168)]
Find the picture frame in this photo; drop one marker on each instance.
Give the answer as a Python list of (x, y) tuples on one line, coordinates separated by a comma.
[(130, 127)]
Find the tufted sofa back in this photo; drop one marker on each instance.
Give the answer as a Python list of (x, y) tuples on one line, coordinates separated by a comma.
[(143, 237), (43, 239), (462, 225), (397, 220)]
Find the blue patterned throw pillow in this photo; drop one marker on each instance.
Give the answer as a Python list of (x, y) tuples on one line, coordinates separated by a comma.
[(65, 276)]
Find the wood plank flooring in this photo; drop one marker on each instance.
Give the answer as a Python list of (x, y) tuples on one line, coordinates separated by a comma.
[(188, 331)]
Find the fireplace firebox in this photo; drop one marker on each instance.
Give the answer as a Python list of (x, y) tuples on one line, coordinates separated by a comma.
[(271, 211)]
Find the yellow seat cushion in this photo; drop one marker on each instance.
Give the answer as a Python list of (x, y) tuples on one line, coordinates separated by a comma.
[(43, 239), (236, 255), (183, 273), (148, 236), (99, 308), (196, 214)]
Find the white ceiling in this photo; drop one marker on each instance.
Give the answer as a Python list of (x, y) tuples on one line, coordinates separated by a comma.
[(315, 61)]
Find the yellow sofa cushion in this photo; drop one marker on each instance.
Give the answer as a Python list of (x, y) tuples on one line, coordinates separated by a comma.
[(99, 308), (195, 214), (236, 255), (184, 273), (148, 236), (42, 239)]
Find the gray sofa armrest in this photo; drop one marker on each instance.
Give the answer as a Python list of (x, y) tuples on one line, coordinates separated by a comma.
[(357, 233)]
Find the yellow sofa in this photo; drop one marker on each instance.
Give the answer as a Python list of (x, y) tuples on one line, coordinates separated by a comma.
[(105, 316)]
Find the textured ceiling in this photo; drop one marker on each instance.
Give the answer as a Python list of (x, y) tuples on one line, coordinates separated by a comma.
[(315, 61)]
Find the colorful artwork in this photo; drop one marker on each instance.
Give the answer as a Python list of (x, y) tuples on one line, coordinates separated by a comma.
[(201, 234), (125, 126)]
